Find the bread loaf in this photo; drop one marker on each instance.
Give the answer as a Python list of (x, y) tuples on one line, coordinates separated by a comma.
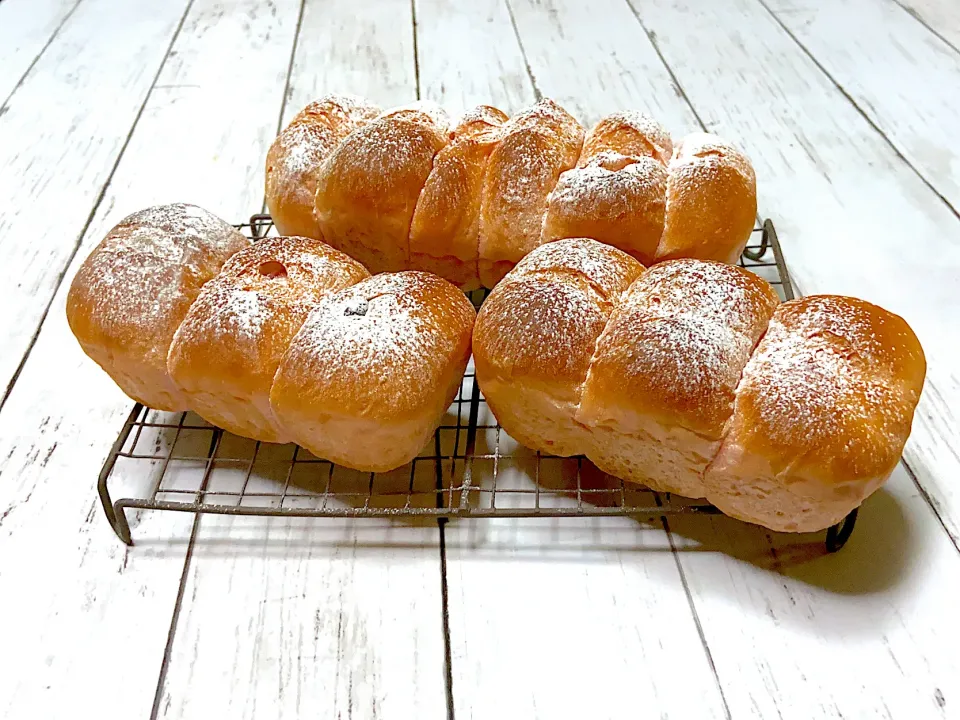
[(368, 188), (535, 335), (821, 415), (536, 146), (228, 347), (617, 192), (130, 295), (368, 377), (445, 232), (399, 192), (711, 201), (662, 380), (295, 157)]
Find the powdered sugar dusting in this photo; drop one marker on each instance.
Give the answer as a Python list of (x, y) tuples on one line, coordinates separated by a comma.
[(705, 150), (382, 345), (823, 375), (605, 268), (630, 133), (431, 113)]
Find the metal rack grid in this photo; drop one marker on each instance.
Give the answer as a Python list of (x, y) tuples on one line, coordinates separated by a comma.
[(179, 462)]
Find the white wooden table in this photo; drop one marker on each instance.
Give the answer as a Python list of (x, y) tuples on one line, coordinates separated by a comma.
[(850, 110)]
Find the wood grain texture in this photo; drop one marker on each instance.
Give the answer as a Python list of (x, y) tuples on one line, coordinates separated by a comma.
[(88, 617), (902, 77), (26, 27), (940, 16), (469, 56), (300, 618), (70, 119), (571, 617)]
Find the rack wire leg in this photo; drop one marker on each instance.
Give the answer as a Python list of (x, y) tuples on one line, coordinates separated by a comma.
[(837, 535), (120, 524)]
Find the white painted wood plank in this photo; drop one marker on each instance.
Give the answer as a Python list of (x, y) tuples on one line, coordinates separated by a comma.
[(363, 49), (587, 57), (853, 217), (322, 618), (941, 16), (469, 56), (88, 618), (904, 78), (26, 26), (574, 617), (844, 204), (62, 132)]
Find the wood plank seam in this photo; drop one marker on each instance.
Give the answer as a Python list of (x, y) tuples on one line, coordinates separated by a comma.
[(445, 619), (859, 109), (286, 87), (53, 36), (174, 620), (696, 617), (416, 48), (919, 18), (93, 211), (523, 53)]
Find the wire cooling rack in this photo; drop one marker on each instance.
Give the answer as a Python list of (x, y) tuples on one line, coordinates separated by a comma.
[(179, 462)]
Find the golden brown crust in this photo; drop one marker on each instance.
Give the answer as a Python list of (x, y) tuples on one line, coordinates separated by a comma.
[(711, 201), (369, 375), (821, 415), (617, 192), (536, 146), (130, 295), (295, 157), (674, 348), (368, 188), (631, 134), (227, 349), (445, 232), (537, 331)]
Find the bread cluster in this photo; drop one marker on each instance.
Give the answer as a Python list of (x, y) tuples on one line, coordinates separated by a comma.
[(691, 378), (410, 189), (284, 340)]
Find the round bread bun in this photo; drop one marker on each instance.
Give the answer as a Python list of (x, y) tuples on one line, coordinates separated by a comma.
[(821, 416), (711, 201), (536, 146), (445, 233), (614, 199), (630, 133), (661, 384), (368, 188), (295, 157), (130, 295), (536, 333), (228, 347), (368, 377)]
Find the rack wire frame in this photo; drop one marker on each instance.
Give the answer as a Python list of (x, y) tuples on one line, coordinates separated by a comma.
[(471, 469)]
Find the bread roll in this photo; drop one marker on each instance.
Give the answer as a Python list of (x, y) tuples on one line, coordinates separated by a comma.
[(536, 333), (821, 414), (661, 384), (368, 377), (367, 190), (537, 145), (227, 350), (445, 233), (711, 201), (617, 192), (631, 134), (295, 157), (130, 295)]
